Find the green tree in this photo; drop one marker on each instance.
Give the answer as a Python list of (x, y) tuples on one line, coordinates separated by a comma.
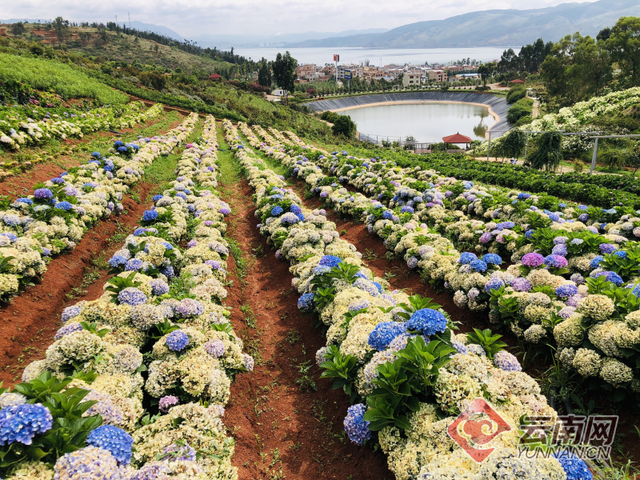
[(284, 72), (264, 73), (624, 46), (485, 72), (576, 69), (17, 28), (61, 26), (343, 125)]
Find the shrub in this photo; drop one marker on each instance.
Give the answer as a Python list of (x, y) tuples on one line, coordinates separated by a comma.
[(516, 93), (343, 125)]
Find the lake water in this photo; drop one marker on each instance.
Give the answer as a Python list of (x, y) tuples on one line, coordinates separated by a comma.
[(378, 57), (425, 122)]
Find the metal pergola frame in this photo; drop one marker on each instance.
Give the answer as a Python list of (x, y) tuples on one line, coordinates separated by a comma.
[(594, 158)]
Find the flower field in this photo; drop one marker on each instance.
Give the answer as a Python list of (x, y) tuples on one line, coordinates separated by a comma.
[(177, 365)]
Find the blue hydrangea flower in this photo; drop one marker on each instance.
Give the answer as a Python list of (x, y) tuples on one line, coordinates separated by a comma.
[(506, 361), (384, 333), (566, 291), (27, 201), (354, 424), (560, 250), (177, 341), (277, 210), (467, 257), (289, 218), (478, 266), (20, 423), (330, 261), (406, 209), (149, 215), (157, 197), (611, 277), (66, 206), (529, 233), (67, 329), (305, 302), (493, 284), (168, 272), (132, 296), (387, 215), (114, 440), (295, 209), (117, 260), (573, 467), (427, 321), (492, 259), (70, 312), (134, 265), (596, 261), (159, 287)]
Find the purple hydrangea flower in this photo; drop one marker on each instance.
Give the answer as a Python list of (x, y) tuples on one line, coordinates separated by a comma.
[(607, 248), (506, 361), (188, 307), (532, 260), (521, 284), (215, 348), (167, 402), (555, 261), (43, 194)]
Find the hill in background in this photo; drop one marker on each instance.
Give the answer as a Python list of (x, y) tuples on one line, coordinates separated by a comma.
[(495, 28)]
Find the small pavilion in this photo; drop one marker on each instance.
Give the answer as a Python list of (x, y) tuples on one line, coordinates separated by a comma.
[(457, 139)]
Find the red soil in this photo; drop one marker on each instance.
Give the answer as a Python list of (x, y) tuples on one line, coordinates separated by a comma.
[(282, 430), (29, 323)]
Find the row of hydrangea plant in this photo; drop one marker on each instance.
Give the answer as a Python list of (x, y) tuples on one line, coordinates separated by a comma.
[(588, 319), (61, 210), (406, 372), (18, 131), (135, 384)]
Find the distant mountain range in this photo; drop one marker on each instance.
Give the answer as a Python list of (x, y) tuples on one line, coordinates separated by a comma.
[(488, 28), (226, 41), (493, 28)]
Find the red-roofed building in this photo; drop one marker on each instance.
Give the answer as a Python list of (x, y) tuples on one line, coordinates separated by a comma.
[(517, 80), (215, 76)]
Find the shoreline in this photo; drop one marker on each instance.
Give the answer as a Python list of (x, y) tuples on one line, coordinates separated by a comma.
[(495, 116)]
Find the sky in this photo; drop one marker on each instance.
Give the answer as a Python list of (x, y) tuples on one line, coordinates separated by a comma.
[(261, 17)]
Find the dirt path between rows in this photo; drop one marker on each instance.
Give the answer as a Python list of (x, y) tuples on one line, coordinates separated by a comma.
[(283, 428)]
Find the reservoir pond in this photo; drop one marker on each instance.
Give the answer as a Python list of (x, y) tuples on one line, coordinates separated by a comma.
[(426, 122)]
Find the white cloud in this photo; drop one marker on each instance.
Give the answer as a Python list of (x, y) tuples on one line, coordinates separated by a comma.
[(194, 17)]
